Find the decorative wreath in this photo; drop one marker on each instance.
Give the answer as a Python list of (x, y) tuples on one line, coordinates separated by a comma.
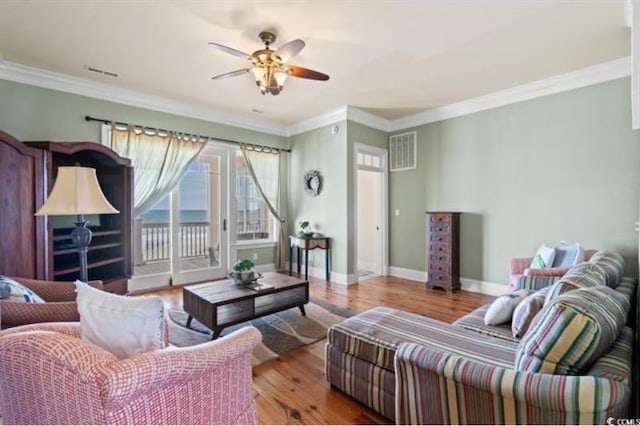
[(313, 183)]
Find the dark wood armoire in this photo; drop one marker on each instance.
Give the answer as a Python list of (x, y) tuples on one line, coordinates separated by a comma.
[(443, 250), (40, 247), (23, 237)]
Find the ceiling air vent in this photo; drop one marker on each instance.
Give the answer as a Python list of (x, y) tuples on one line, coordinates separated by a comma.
[(402, 150), (99, 71)]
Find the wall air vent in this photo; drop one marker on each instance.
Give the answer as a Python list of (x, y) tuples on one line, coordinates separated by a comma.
[(99, 71), (403, 151)]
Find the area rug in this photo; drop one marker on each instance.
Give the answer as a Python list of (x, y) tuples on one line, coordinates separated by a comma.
[(281, 332)]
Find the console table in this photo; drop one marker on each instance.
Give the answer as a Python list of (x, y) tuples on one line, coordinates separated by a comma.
[(306, 243)]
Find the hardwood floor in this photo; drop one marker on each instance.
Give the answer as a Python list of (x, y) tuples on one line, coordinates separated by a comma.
[(292, 389)]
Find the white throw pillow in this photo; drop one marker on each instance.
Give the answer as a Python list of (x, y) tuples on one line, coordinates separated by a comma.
[(501, 310), (123, 325), (544, 257), (16, 292)]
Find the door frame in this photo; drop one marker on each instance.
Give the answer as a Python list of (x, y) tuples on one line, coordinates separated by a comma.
[(174, 276), (382, 267), (206, 274)]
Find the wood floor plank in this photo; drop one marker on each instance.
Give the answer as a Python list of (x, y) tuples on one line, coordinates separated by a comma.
[(292, 389)]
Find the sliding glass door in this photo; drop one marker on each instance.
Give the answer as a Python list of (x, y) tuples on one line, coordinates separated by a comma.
[(182, 238)]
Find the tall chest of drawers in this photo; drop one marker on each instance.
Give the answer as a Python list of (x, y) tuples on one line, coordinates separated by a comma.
[(443, 250)]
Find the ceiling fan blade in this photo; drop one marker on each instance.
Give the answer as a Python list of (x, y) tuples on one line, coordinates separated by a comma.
[(230, 50), (306, 73), (231, 74), (289, 50)]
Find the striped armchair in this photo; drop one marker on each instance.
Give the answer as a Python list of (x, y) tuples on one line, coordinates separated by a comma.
[(522, 276), (60, 306), (51, 376)]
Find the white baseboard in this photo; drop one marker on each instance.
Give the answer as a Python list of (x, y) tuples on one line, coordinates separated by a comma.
[(484, 287), (408, 274), (336, 277), (468, 284)]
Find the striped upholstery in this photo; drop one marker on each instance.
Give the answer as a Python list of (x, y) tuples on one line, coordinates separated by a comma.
[(573, 331), (535, 282), (626, 287), (375, 335), (582, 275), (360, 351), (370, 384), (50, 376), (437, 387), (526, 311), (613, 265), (474, 321), (464, 372)]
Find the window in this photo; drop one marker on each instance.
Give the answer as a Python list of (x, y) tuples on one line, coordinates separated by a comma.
[(253, 219)]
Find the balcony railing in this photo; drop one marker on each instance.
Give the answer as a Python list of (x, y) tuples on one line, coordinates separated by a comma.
[(154, 238)]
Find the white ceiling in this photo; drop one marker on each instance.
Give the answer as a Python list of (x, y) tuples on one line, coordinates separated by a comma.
[(390, 58)]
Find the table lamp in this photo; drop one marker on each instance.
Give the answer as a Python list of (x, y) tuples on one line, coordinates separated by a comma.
[(77, 192)]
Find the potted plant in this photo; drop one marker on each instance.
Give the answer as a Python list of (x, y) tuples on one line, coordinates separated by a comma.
[(305, 228), (243, 269)]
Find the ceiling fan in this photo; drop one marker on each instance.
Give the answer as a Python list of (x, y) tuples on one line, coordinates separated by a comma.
[(270, 67)]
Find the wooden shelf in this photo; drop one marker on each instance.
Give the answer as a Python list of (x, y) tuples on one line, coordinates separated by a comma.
[(93, 233), (90, 265), (91, 248)]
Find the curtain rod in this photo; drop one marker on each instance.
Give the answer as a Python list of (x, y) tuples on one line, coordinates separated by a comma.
[(120, 123)]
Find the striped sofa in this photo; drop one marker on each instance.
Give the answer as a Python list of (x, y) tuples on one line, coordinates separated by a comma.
[(417, 370)]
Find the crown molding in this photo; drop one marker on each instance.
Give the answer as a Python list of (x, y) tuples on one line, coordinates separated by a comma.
[(341, 114), (318, 121), (595, 74), (80, 86), (368, 119)]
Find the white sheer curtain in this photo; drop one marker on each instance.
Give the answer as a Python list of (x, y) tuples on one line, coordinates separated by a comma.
[(159, 161), (264, 167)]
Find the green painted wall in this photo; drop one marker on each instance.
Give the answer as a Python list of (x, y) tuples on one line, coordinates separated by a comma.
[(561, 167), (365, 135), (33, 113), (321, 150), (332, 212)]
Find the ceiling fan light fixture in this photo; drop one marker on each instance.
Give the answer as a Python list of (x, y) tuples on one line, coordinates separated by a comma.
[(281, 77), (271, 68), (258, 73)]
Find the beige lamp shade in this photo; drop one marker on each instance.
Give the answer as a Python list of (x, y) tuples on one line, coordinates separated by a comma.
[(75, 192)]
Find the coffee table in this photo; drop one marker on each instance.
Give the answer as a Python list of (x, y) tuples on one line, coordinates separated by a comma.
[(220, 304)]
